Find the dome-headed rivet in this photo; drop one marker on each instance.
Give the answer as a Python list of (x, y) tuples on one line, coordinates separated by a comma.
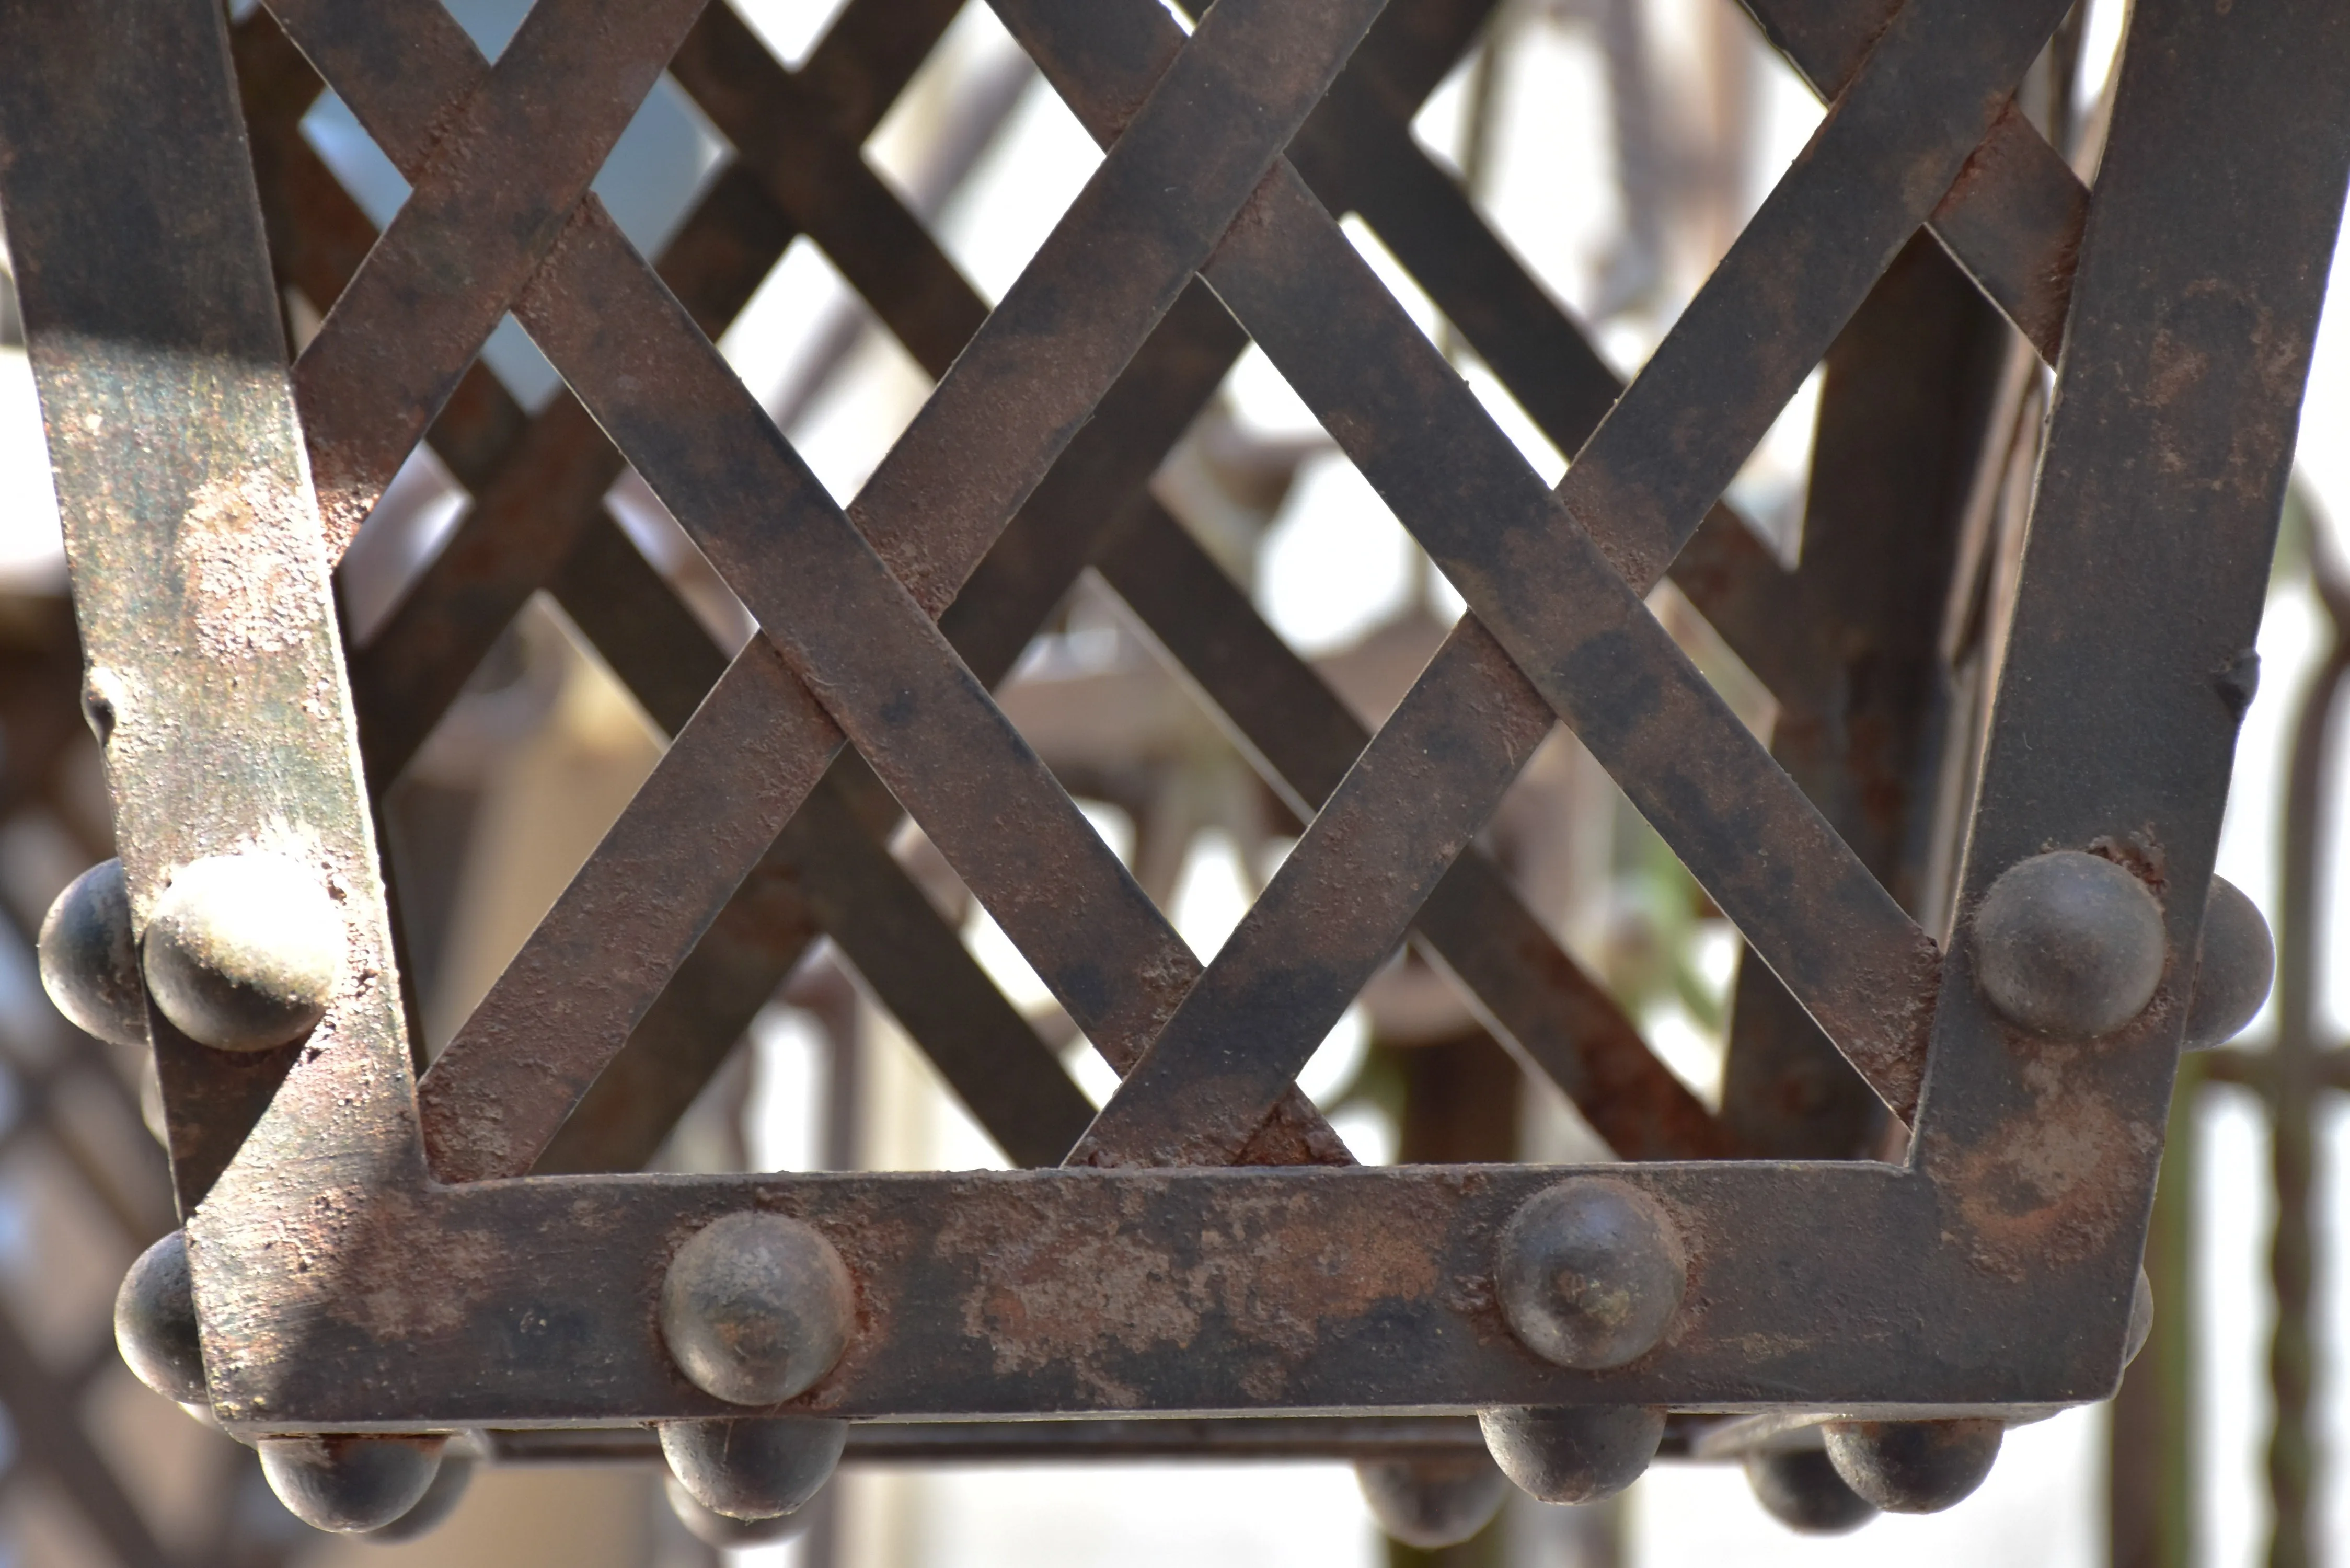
[(2234, 970), (712, 1528), (155, 1323), (1913, 1467), (1801, 1489), (1573, 1453), (1432, 1503), (89, 964), (431, 1510), (1591, 1273), (243, 951), (2068, 944), (348, 1484), (756, 1467), (756, 1307)]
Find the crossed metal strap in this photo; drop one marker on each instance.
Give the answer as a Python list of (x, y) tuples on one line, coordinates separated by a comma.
[(1575, 1029), (1556, 1006), (1495, 674), (2114, 719)]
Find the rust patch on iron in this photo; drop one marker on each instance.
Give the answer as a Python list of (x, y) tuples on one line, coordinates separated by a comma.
[(2055, 1187), (1064, 1284), (2141, 854), (243, 544)]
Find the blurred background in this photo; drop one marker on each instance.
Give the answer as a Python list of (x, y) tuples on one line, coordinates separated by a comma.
[(1617, 145)]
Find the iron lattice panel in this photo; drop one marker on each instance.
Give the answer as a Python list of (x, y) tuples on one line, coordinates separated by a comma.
[(377, 1251)]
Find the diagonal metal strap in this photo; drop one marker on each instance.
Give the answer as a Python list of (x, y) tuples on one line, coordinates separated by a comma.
[(858, 584), (1555, 1008), (1304, 738), (1564, 1021), (538, 482), (1872, 173), (986, 1051), (736, 966), (2011, 219), (471, 233)]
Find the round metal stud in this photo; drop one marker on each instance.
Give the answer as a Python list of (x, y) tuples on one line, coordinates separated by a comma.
[(2141, 1318), (1801, 1489), (755, 1468), (243, 951), (433, 1509), (1913, 1467), (2068, 944), (713, 1528), (756, 1308), (155, 1323), (1573, 1453), (1432, 1503), (349, 1484), (89, 964), (1591, 1273), (2234, 970)]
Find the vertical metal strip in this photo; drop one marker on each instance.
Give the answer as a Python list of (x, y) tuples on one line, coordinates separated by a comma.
[(2130, 654), (199, 570)]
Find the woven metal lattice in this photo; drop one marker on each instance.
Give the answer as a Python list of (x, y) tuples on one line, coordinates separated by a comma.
[(1958, 693)]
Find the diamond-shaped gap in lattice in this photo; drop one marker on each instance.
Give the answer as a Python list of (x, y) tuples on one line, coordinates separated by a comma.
[(1639, 186), (1427, 320), (984, 151), (1160, 780), (509, 795), (1278, 508), (394, 546), (839, 384), (650, 181)]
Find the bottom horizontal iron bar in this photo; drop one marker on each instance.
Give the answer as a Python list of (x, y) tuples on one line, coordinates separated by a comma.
[(1180, 1292), (995, 1442)]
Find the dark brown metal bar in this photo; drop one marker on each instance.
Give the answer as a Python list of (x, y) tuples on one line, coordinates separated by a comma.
[(1305, 739), (199, 563), (1121, 1293), (1632, 469), (2012, 219), (2169, 445), (1292, 1438), (1908, 394), (854, 590)]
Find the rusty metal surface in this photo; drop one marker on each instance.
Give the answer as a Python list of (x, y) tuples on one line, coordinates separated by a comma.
[(1525, 562), (2116, 717), (911, 697), (1906, 408), (199, 567), (1134, 1291), (1991, 1270)]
